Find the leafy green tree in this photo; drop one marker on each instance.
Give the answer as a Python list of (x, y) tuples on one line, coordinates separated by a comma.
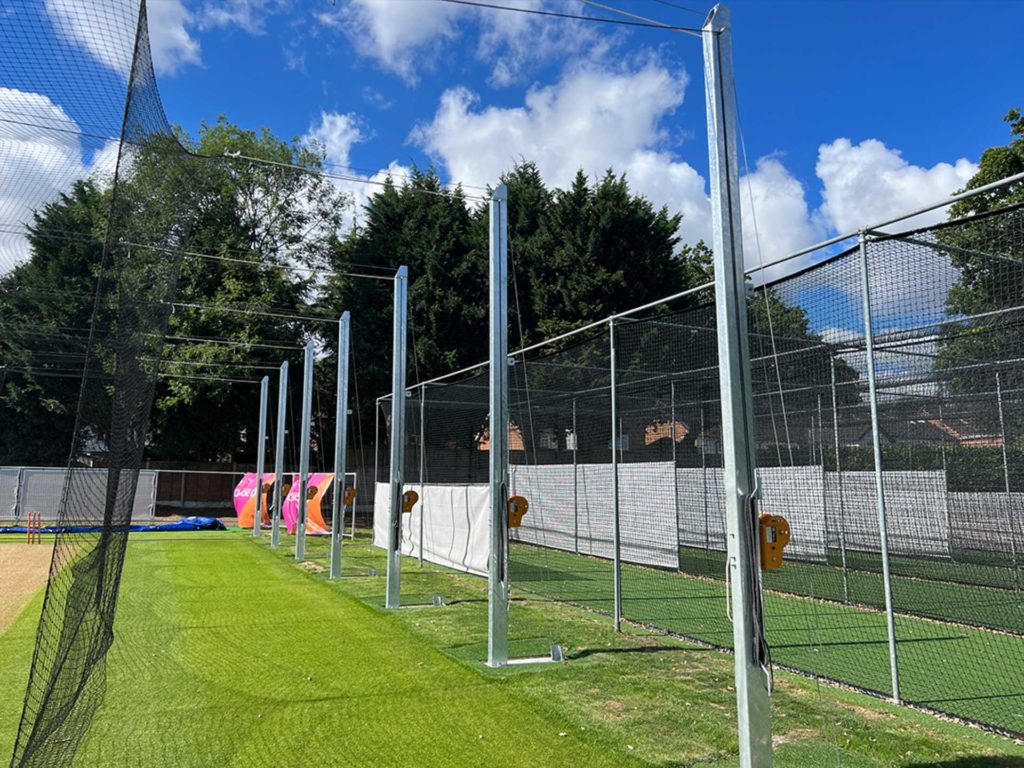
[(45, 314), (261, 237), (989, 256), (248, 238)]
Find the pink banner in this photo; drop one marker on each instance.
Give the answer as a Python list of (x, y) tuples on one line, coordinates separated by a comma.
[(319, 482), (244, 491), (245, 499)]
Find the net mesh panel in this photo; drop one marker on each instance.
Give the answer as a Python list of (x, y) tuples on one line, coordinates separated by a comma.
[(101, 112), (946, 320)]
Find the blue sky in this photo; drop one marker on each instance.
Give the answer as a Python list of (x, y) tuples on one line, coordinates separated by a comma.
[(898, 93), (851, 111)]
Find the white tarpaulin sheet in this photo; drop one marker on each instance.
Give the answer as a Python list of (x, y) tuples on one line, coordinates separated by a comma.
[(645, 506), (915, 508), (798, 494), (41, 491), (9, 492), (983, 521), (455, 524)]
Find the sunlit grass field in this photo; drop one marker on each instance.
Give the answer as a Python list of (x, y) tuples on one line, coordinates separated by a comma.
[(230, 654)]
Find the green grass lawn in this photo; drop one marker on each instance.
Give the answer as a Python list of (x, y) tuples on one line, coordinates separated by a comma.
[(229, 654)]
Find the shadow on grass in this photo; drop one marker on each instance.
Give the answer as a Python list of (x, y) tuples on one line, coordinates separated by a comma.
[(585, 652), (973, 761)]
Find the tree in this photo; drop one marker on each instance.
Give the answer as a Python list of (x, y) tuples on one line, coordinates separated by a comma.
[(45, 313), (243, 239), (261, 240), (988, 253)]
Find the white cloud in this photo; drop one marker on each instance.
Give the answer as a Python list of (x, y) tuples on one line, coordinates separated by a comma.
[(39, 160), (35, 165), (336, 134), (110, 38), (249, 15), (407, 36), (868, 182), (401, 35), (513, 44), (172, 46), (592, 118), (776, 218), (596, 118)]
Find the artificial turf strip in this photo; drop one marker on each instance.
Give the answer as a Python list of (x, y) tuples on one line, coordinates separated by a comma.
[(971, 673), (667, 702), (217, 640)]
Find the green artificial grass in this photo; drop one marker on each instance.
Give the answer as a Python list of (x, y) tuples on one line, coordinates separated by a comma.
[(228, 654), (963, 671)]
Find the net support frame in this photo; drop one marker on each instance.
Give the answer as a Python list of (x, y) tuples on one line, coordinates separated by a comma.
[(340, 446), (307, 427), (282, 412), (423, 464), (1011, 532), (497, 566), (616, 448), (876, 446), (261, 455), (392, 598), (752, 680), (839, 481)]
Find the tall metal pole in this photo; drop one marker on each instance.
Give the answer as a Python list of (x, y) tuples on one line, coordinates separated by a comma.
[(1010, 530), (704, 483), (340, 446), (675, 471), (839, 484), (616, 438), (376, 444), (497, 594), (394, 566), (261, 454), (282, 406), (753, 710), (945, 480), (883, 532), (575, 485), (307, 426), (423, 464)]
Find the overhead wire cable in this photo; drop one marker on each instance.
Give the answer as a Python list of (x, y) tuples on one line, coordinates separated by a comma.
[(572, 16)]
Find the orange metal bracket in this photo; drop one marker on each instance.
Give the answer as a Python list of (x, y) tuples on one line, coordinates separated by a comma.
[(774, 536), (517, 507)]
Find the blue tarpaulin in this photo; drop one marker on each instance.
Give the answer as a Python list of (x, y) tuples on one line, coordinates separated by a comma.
[(185, 524)]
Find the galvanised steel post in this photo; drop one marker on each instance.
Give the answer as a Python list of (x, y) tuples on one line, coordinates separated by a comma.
[(675, 472), (497, 588), (304, 437), (398, 363), (1010, 529), (282, 406), (575, 485), (616, 438), (839, 484), (261, 454), (704, 483), (876, 441), (753, 710), (340, 446), (423, 464), (945, 479)]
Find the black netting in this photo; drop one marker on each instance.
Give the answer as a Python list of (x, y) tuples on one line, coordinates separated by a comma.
[(111, 119), (947, 336)]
